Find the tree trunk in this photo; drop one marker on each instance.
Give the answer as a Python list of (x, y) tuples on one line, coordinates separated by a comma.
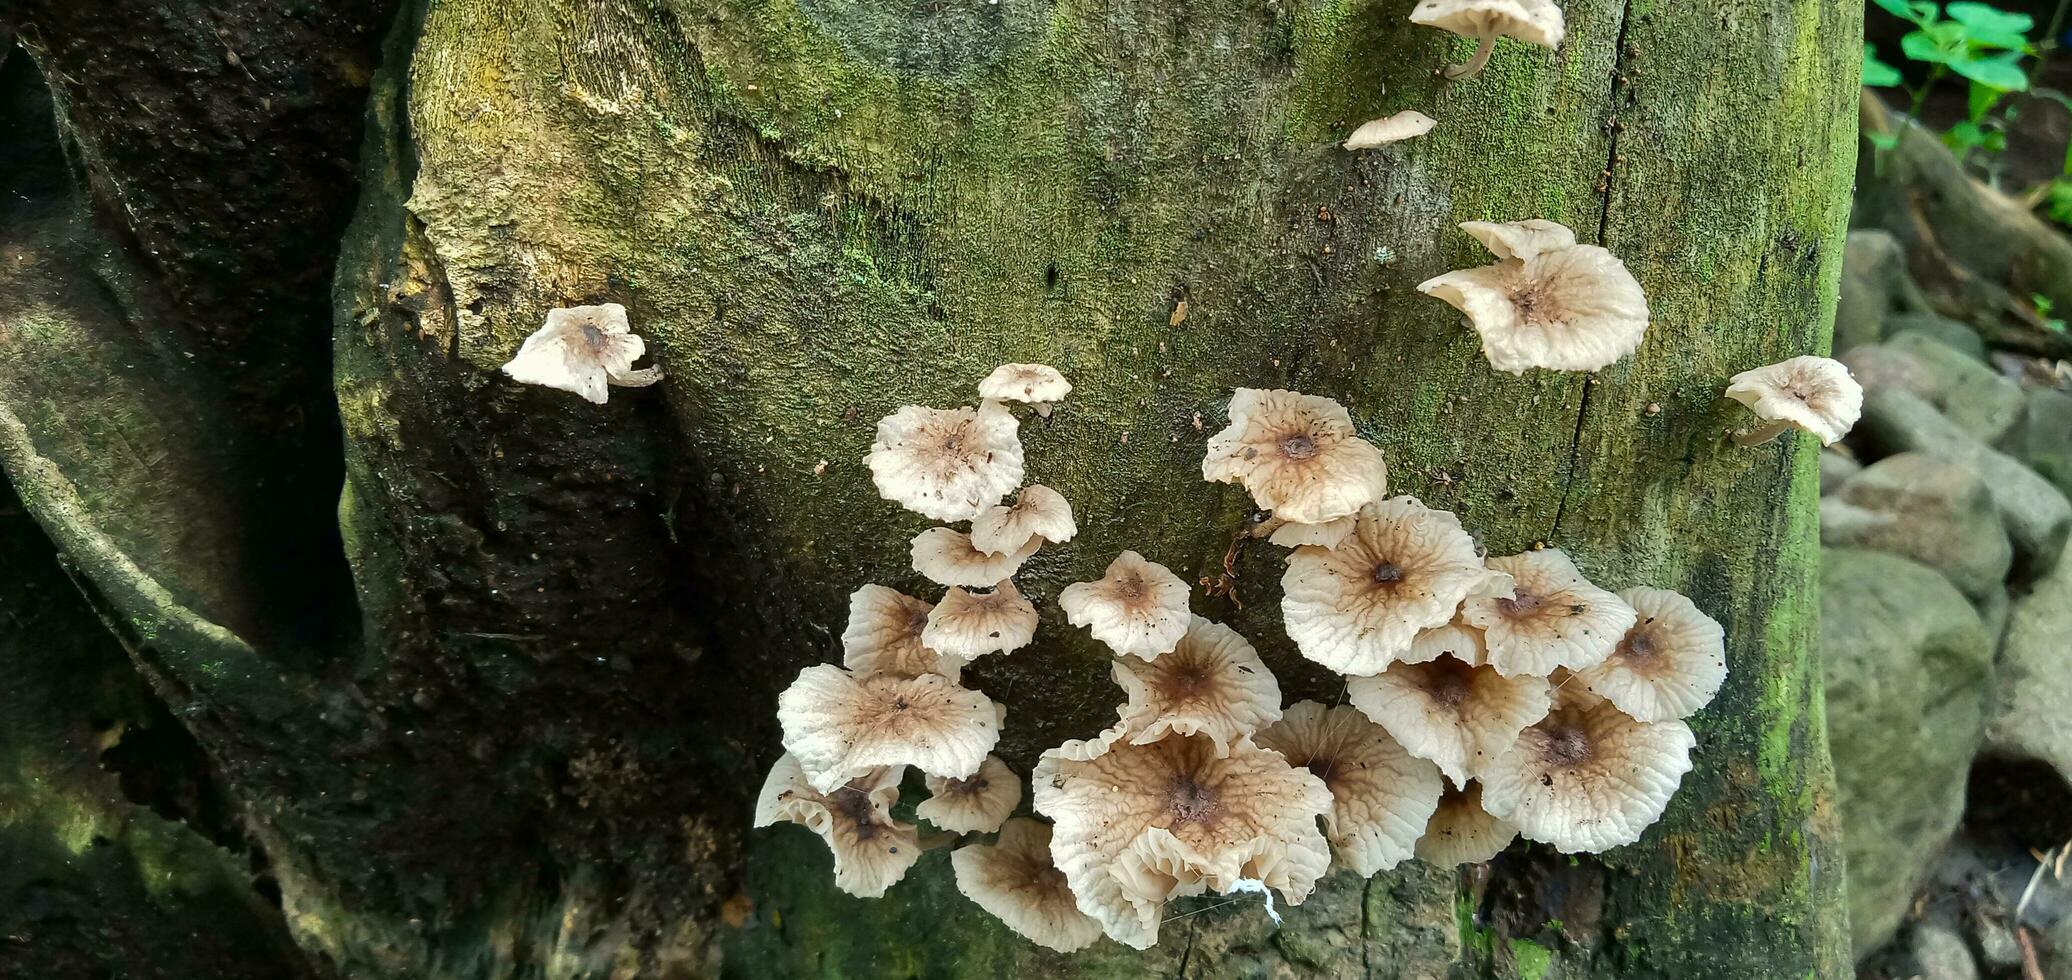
[(537, 754)]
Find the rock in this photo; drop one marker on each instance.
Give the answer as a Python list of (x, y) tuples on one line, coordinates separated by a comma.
[(1908, 668), (1968, 393), (2043, 437), (1927, 509), (1957, 336), (2032, 714), (1941, 954), (1874, 286), (2035, 513), (1834, 469)]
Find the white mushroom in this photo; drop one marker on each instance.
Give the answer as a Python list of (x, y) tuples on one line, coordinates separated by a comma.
[(1211, 684), (947, 464), (947, 557), (1381, 795), (973, 624), (1588, 777), (1297, 455), (1532, 21), (1404, 125), (871, 850), (1016, 881), (1458, 716), (1816, 394), (1553, 617), (1566, 307), (583, 349), (1668, 665), (1037, 384), (1138, 607), (974, 805), (1462, 832), (840, 725), (1037, 513), (884, 636)]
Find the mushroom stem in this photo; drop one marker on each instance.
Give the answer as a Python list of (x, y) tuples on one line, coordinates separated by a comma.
[(1761, 434), (1265, 528), (1474, 64)]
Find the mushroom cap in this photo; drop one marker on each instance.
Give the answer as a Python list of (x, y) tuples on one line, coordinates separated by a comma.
[(841, 725), (972, 806), (1016, 881), (1455, 639), (1520, 240), (973, 624), (1036, 384), (1405, 568), (1404, 125), (1462, 832), (1381, 796), (582, 349), (1668, 665), (946, 556), (1588, 777), (1211, 684), (1145, 822), (871, 850), (1297, 455), (1532, 21), (1553, 617), (1816, 394), (1038, 512), (1574, 308), (1326, 535), (1458, 716), (1138, 607), (947, 463), (884, 636)]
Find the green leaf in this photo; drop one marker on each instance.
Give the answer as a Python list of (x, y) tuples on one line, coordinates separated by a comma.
[(1876, 73), (1882, 141), (1981, 99), (2003, 73), (1920, 12), (1920, 46), (1986, 17), (1963, 136)]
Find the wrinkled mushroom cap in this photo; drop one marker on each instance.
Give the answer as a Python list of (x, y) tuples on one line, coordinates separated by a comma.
[(1816, 394), (1588, 777), (975, 805), (840, 725), (973, 624), (1036, 384), (1553, 617), (1138, 607), (1404, 125), (1326, 535), (1520, 240), (1037, 513), (1573, 308), (884, 636), (1458, 716), (1532, 21), (1668, 665), (583, 349), (947, 557), (1016, 881), (1381, 796), (1211, 684), (871, 850), (1455, 639), (947, 464), (1297, 455), (1462, 832), (1405, 568)]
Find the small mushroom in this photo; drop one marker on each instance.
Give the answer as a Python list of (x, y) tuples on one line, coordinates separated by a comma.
[(884, 636), (947, 464), (1462, 832), (1588, 777), (1211, 684), (1532, 21), (1039, 385), (1816, 394), (1547, 302), (1381, 796), (973, 624), (1289, 534), (947, 557), (1016, 881), (1038, 512), (1297, 455), (1138, 607), (1404, 125), (1455, 639), (1668, 665), (871, 850), (1458, 716), (841, 725), (976, 805), (584, 350), (1552, 617)]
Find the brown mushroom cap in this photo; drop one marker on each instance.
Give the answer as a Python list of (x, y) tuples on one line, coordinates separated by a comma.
[(1381, 795), (1039, 513), (1408, 124), (1462, 832), (1211, 684), (976, 805), (1816, 394), (1016, 881), (1553, 617), (947, 557), (1458, 716), (973, 624), (1668, 665), (1138, 607), (583, 350), (884, 636), (871, 850), (1297, 455), (1588, 777), (841, 725), (1573, 308), (947, 464)]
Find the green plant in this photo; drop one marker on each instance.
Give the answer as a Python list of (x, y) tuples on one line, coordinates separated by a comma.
[(1982, 44)]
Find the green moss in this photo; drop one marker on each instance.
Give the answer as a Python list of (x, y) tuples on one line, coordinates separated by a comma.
[(1531, 959)]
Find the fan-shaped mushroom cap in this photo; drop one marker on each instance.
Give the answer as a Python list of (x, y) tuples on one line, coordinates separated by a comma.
[(884, 636), (1017, 882), (1553, 617), (947, 557), (1816, 394), (1138, 607), (947, 463), (1144, 822), (1532, 21), (1404, 125), (973, 624), (1573, 308), (976, 805), (1038, 513), (583, 349), (1036, 384), (1381, 795), (1455, 639), (1520, 240), (1462, 832), (1357, 607), (1588, 777), (1211, 684), (840, 725), (1458, 716), (1668, 665), (1297, 455), (1289, 534), (871, 850)]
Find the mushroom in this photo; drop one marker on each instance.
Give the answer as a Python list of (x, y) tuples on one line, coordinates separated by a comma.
[(975, 805), (973, 624), (1211, 684), (1289, 534), (872, 851), (1816, 394), (1357, 607), (1145, 823), (1588, 777), (1547, 302), (1462, 832), (1297, 455), (1668, 665), (947, 464), (1138, 607), (841, 725), (1458, 716), (1037, 513), (947, 557), (1552, 617), (884, 636), (1532, 21), (1016, 881), (1404, 125), (583, 349), (1037, 384), (1381, 796), (1455, 639)]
